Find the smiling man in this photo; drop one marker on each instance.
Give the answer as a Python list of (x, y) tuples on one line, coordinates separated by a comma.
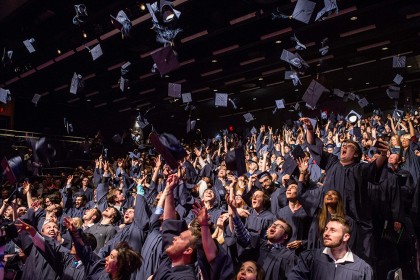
[(335, 261)]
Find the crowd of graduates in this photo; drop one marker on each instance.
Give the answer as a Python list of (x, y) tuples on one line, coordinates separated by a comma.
[(308, 200)]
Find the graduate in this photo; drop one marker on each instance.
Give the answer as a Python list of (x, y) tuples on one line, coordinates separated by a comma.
[(335, 261)]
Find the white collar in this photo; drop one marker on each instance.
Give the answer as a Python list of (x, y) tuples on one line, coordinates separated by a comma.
[(348, 257)]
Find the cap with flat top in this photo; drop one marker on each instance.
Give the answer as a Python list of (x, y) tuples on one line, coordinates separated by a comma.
[(313, 93), (363, 102), (81, 14), (174, 90), (123, 23), (329, 6), (166, 60), (398, 61), (96, 52), (186, 97), (5, 95), (293, 59), (292, 75), (220, 99), (36, 98), (30, 45), (248, 117), (76, 83), (353, 117), (398, 79), (303, 10)]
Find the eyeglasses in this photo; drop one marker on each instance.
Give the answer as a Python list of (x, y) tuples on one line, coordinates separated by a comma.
[(278, 226)]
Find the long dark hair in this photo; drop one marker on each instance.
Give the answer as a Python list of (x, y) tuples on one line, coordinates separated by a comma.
[(128, 261), (260, 271), (323, 215)]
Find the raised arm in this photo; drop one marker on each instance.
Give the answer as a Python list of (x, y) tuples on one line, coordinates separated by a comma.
[(169, 210)]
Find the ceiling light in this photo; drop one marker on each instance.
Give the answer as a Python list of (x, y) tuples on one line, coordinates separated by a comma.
[(198, 119), (142, 7), (384, 48), (214, 89), (214, 60), (84, 35), (260, 79), (296, 89), (319, 64), (166, 76), (349, 78), (58, 51), (278, 42), (254, 98), (409, 66), (353, 18), (367, 83), (88, 100)]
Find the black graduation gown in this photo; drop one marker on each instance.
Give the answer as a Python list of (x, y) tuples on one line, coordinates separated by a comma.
[(152, 249), (299, 221), (62, 261), (36, 266), (258, 223), (170, 229), (315, 265)]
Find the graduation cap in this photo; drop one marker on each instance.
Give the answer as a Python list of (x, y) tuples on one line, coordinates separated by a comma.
[(324, 46), (5, 95), (68, 126), (302, 12), (76, 83), (248, 117), (329, 7), (296, 106), (36, 98), (30, 45), (191, 125), (351, 96), (44, 151), (81, 14), (363, 102), (95, 52), (279, 105), (166, 60), (398, 61), (397, 114), (289, 166), (169, 147), (134, 155), (253, 130), (12, 168), (174, 90), (299, 46), (324, 115), (298, 152), (313, 93), (122, 23), (353, 117), (398, 79), (6, 59), (220, 99), (393, 92), (125, 68), (292, 75), (338, 92), (123, 83), (168, 12), (293, 59), (186, 97)]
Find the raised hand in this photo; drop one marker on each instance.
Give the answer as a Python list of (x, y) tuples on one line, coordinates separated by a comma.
[(302, 164), (68, 223), (201, 213), (69, 179)]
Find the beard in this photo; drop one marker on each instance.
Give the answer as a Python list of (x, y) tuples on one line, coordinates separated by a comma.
[(332, 244)]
